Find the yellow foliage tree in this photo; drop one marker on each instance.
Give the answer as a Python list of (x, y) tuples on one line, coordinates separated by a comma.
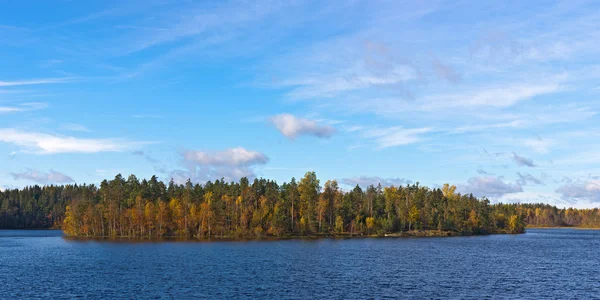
[(449, 191), (370, 224), (515, 225), (413, 216), (473, 221), (339, 224), (69, 224)]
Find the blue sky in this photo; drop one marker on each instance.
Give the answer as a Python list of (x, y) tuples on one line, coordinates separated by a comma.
[(497, 97)]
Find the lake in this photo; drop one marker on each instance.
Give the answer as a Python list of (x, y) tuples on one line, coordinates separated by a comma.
[(542, 263)]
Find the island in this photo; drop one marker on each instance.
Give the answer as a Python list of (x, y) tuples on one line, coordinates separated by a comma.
[(150, 209)]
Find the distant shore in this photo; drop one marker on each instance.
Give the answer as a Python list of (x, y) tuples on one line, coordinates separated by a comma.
[(562, 227)]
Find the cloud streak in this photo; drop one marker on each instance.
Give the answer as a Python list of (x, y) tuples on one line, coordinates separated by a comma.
[(23, 107), (35, 81), (43, 143), (490, 96)]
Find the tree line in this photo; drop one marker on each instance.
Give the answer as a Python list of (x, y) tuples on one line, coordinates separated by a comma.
[(150, 208)]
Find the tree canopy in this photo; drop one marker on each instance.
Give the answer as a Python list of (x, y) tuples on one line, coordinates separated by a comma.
[(149, 208)]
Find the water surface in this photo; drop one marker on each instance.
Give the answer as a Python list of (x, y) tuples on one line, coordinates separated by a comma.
[(543, 263)]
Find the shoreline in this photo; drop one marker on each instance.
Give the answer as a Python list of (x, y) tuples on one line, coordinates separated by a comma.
[(343, 236), (406, 234)]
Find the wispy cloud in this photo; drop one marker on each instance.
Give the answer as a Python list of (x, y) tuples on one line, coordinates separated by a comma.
[(9, 109), (42, 177), (35, 81), (538, 144), (194, 22), (23, 107), (491, 96), (484, 127), (43, 143), (292, 126), (74, 127), (331, 85), (395, 136)]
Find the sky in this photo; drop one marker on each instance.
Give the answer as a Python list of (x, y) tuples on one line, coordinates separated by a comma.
[(500, 98)]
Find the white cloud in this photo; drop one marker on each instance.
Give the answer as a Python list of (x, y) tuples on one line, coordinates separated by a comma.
[(489, 186), (43, 143), (42, 177), (230, 164), (593, 185), (587, 191), (229, 157), (292, 126)]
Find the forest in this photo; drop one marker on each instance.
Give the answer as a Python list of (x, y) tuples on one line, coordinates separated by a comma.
[(263, 208)]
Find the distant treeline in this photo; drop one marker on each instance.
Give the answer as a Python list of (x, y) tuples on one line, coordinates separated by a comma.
[(149, 208)]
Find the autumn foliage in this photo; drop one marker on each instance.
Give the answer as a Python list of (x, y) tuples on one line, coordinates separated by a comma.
[(149, 208)]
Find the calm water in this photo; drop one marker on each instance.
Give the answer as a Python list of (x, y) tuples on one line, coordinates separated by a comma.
[(543, 263)]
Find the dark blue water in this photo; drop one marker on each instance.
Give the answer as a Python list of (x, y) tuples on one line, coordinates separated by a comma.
[(543, 263)]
